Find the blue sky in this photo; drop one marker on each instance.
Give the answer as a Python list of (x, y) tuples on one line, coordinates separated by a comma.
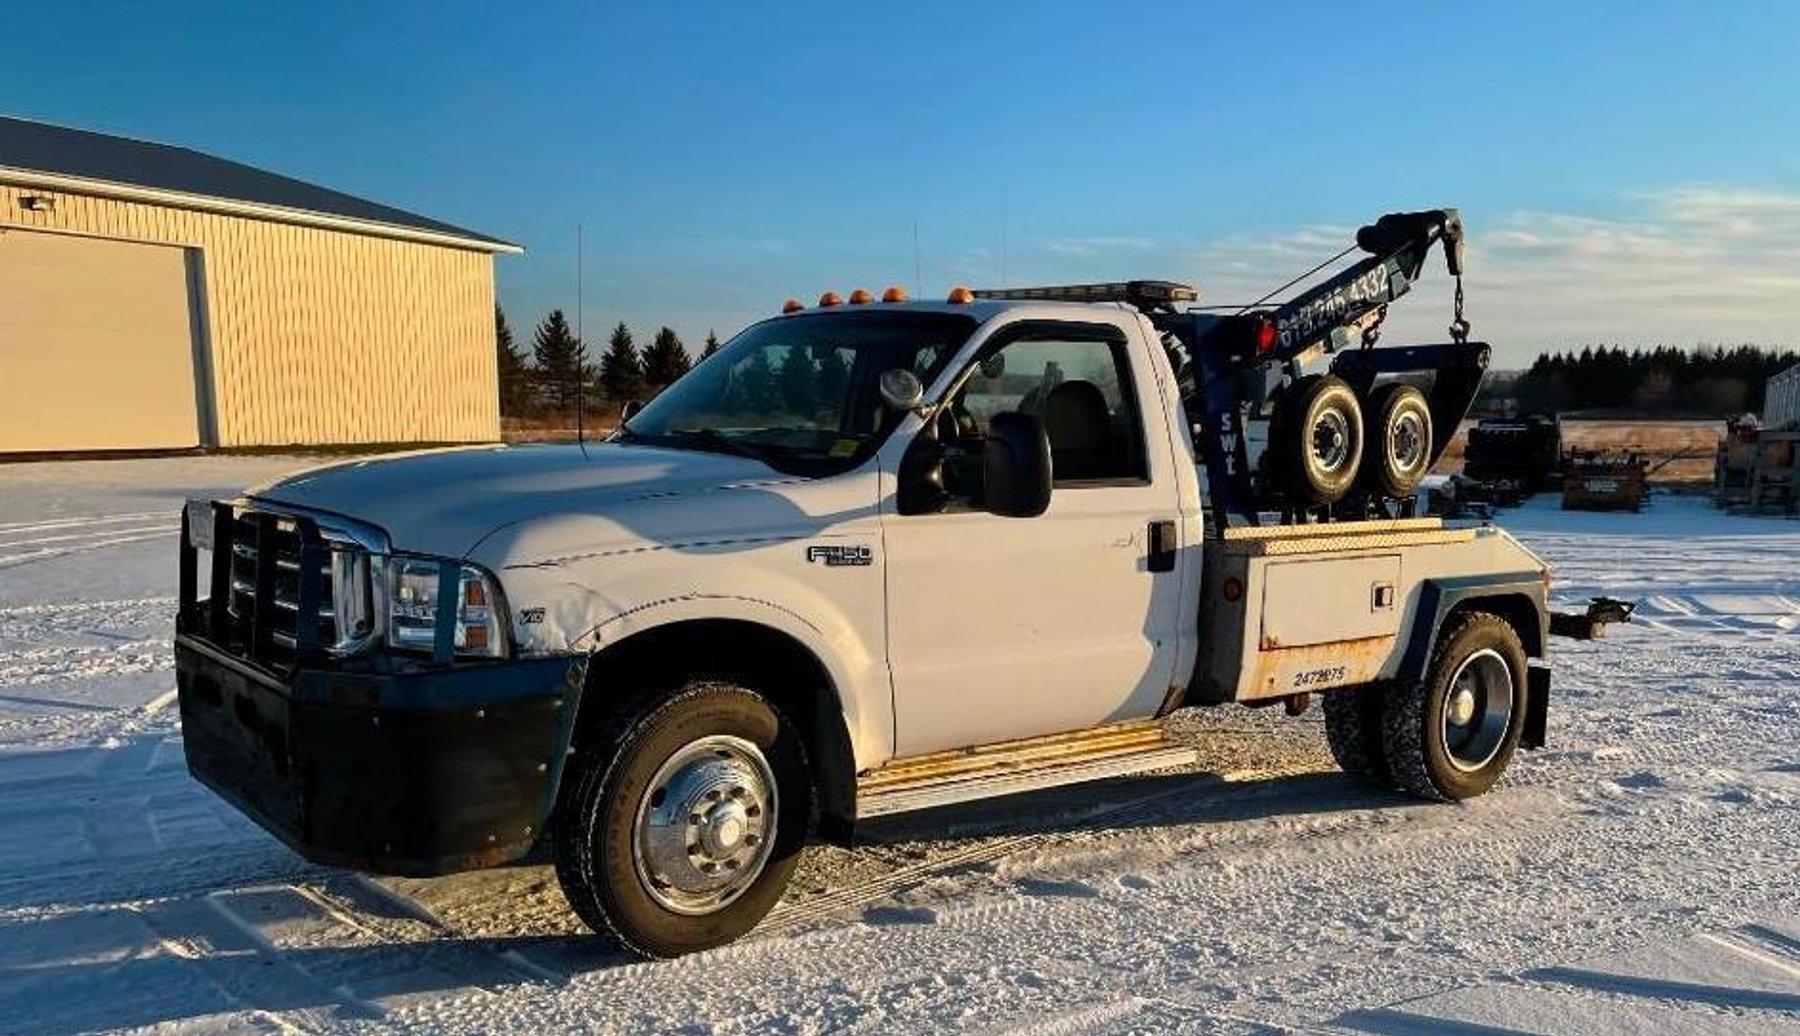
[(1629, 171)]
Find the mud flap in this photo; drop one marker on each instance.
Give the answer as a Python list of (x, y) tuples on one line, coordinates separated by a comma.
[(1537, 705)]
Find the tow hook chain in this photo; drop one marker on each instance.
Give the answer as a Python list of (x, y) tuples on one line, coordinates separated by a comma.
[(1459, 328)]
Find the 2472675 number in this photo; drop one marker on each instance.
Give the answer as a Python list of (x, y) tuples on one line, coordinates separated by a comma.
[(1321, 677)]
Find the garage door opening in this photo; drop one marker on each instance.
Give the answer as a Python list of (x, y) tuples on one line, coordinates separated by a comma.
[(98, 345)]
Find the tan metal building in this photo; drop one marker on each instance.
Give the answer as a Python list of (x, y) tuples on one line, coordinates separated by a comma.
[(153, 297)]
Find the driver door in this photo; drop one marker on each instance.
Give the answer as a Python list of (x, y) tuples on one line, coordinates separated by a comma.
[(1004, 628)]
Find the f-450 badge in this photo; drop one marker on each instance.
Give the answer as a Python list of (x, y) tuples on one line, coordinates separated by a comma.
[(834, 557)]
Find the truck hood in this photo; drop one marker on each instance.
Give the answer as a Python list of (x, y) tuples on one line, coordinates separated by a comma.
[(444, 502)]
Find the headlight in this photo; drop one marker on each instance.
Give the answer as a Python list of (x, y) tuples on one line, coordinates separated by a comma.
[(413, 603), (352, 604)]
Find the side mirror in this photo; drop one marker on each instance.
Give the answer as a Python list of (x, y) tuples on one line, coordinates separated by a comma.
[(919, 484), (1015, 466), (630, 409)]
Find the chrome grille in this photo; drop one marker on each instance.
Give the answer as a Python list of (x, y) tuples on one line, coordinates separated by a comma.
[(280, 611)]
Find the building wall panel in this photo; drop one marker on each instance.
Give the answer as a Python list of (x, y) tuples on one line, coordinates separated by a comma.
[(319, 336)]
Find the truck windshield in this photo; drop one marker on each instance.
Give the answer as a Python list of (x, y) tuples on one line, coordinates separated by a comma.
[(800, 393)]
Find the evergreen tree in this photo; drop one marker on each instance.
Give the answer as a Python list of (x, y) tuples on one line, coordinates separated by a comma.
[(834, 380), (515, 371), (621, 370), (561, 359), (798, 377), (665, 360), (1707, 379), (754, 386), (712, 345)]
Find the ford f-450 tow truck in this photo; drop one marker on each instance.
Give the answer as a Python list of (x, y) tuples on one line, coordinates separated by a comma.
[(872, 556)]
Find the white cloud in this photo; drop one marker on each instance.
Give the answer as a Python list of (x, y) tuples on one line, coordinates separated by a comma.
[(1093, 246), (1689, 265), (1682, 266)]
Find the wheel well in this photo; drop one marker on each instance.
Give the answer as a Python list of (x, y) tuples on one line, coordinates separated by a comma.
[(660, 660), (1519, 611)]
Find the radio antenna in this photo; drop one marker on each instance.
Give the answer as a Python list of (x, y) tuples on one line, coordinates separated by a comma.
[(918, 266), (1003, 281), (580, 349)]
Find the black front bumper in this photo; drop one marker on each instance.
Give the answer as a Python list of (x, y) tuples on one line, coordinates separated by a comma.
[(416, 771)]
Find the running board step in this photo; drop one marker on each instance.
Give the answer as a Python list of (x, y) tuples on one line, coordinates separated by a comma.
[(1009, 767)]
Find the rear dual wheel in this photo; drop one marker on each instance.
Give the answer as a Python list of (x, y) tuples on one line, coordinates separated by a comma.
[(1448, 736)]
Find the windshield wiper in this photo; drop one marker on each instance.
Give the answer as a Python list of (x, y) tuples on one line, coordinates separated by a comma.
[(718, 442)]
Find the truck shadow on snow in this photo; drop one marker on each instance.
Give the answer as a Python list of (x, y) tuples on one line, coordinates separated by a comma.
[(164, 936)]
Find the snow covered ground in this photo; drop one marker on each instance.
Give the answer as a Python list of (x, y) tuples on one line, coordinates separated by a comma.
[(1641, 874)]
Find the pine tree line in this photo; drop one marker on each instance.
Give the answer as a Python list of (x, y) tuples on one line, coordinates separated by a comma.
[(1706, 380), (558, 367)]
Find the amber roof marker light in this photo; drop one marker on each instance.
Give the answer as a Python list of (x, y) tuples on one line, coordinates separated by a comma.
[(831, 298), (861, 297), (894, 294), (961, 295), (792, 306)]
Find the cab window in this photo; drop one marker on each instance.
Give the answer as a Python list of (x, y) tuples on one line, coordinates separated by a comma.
[(1074, 378)]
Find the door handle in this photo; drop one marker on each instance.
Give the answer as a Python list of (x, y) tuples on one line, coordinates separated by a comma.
[(1162, 546)]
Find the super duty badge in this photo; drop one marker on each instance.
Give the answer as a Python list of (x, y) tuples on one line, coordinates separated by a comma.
[(833, 557)]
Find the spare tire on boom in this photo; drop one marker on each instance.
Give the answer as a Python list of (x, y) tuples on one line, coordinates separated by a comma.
[(1316, 440), (1400, 441)]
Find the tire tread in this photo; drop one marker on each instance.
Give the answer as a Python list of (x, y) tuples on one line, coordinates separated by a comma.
[(577, 869), (1403, 734)]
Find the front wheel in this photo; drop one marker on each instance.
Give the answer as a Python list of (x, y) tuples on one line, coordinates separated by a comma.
[(1452, 734), (686, 833)]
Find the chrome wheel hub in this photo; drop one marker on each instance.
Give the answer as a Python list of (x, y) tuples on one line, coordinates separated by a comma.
[(1409, 442), (1478, 710), (1331, 440), (705, 824), (1462, 706)]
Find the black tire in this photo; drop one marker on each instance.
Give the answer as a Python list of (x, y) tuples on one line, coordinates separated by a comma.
[(1400, 441), (1353, 730), (597, 845), (1433, 758), (1316, 440)]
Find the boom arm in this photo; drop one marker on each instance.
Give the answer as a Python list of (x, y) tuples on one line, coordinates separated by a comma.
[(1233, 364), (1398, 243)]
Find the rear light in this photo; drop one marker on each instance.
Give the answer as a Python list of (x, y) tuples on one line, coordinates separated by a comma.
[(792, 306), (960, 295), (859, 297), (1266, 336), (894, 294), (831, 298)]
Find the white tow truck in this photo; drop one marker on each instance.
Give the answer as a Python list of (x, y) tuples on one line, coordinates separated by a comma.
[(873, 556)]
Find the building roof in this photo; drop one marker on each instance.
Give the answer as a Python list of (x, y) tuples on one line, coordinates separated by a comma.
[(45, 148)]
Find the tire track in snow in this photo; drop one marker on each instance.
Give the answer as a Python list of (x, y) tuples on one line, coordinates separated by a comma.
[(45, 665), (15, 560), (116, 620), (77, 522)]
